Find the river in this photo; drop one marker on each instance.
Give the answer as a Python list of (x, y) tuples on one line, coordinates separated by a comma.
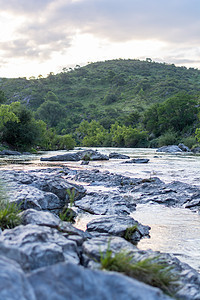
[(173, 230)]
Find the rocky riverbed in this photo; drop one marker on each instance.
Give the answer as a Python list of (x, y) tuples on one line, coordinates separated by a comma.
[(46, 258)]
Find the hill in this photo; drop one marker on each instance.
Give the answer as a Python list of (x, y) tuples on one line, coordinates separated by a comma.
[(104, 91)]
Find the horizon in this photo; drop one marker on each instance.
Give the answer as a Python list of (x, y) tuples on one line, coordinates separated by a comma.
[(42, 37), (73, 67)]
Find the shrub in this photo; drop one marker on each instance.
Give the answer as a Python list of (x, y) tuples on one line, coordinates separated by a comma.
[(149, 270), (67, 214), (169, 138), (9, 212)]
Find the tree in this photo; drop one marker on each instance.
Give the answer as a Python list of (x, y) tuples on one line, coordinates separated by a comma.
[(51, 112), (7, 113), (24, 132)]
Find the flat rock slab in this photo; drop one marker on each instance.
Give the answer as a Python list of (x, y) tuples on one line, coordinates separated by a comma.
[(137, 161), (13, 282), (174, 194), (118, 226), (67, 281), (42, 245), (106, 204), (81, 155), (40, 190), (107, 179), (118, 156)]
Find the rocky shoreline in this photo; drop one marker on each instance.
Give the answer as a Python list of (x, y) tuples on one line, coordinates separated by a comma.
[(46, 258)]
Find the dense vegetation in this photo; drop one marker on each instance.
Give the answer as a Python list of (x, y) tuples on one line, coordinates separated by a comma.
[(128, 103)]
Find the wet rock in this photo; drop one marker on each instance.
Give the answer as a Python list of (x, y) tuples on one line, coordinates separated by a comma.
[(9, 152), (94, 177), (85, 155), (76, 282), (196, 150), (85, 163), (188, 279), (40, 190), (121, 226), (106, 204), (42, 245), (137, 161), (118, 156), (174, 194), (92, 155), (13, 282), (63, 157), (170, 149), (184, 148)]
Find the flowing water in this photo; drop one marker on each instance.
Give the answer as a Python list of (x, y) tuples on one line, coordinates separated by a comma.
[(173, 230)]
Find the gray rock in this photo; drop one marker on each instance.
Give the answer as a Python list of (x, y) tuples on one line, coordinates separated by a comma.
[(188, 278), (174, 194), (42, 245), (9, 152), (13, 282), (106, 204), (92, 155), (77, 283), (43, 218), (118, 156), (196, 150), (184, 148), (137, 161), (118, 226), (40, 190), (96, 246), (170, 149), (94, 177), (63, 157)]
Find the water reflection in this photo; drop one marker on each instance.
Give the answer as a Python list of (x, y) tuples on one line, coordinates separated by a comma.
[(173, 230)]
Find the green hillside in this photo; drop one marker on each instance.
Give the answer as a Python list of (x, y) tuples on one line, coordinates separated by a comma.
[(110, 91)]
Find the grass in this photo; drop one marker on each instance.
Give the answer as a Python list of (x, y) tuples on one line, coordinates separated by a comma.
[(129, 232), (67, 213), (152, 271), (9, 212)]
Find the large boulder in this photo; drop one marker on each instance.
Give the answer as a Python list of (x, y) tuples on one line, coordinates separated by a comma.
[(81, 155), (106, 204), (184, 148), (123, 226), (9, 152), (13, 282), (67, 281), (169, 149), (40, 190), (42, 245), (62, 157), (188, 279), (92, 155)]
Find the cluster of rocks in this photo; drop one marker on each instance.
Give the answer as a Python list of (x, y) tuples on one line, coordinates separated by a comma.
[(46, 258), (174, 148), (12, 152), (91, 155)]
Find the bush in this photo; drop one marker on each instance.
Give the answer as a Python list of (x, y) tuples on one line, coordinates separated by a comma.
[(169, 138), (149, 270), (9, 212)]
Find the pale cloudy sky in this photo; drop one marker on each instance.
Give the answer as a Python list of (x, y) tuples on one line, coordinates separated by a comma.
[(42, 36)]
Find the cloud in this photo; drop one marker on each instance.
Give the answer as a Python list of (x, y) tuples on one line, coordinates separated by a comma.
[(50, 25)]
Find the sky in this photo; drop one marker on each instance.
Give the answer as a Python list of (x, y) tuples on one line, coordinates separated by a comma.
[(42, 36)]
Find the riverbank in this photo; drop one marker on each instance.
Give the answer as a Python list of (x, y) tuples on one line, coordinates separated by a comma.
[(47, 247)]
